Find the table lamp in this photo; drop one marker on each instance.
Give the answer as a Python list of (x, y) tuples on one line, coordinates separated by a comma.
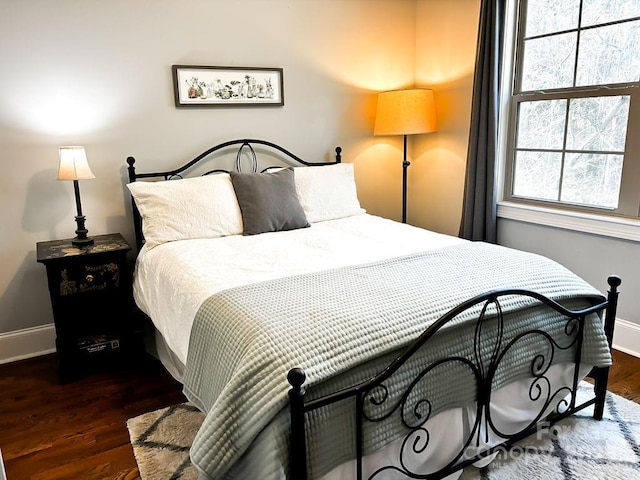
[(74, 166)]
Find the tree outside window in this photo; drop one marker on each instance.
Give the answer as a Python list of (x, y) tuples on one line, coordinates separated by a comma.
[(575, 111)]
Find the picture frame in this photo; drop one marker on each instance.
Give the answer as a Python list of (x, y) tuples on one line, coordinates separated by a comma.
[(212, 86)]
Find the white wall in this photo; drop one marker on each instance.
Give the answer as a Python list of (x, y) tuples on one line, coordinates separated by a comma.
[(96, 73), (594, 258), (445, 61)]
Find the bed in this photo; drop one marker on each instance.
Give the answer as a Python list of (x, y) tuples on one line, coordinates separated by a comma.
[(323, 342)]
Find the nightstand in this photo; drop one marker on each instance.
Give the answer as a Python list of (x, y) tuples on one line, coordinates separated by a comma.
[(90, 290)]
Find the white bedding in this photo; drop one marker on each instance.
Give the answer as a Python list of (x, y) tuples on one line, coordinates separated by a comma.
[(174, 278)]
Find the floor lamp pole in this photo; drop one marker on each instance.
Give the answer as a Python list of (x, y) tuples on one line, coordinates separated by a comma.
[(405, 165)]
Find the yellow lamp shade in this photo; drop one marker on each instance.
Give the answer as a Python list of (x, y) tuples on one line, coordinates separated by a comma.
[(405, 112)]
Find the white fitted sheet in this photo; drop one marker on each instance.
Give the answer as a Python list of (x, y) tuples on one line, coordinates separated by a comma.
[(173, 279)]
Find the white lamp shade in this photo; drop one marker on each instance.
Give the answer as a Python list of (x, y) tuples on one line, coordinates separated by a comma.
[(73, 164), (405, 112)]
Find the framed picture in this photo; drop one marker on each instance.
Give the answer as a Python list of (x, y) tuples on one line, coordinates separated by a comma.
[(198, 86)]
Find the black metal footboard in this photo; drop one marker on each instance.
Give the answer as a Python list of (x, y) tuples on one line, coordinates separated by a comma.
[(375, 402)]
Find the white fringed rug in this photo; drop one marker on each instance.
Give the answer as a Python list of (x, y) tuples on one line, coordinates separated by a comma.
[(578, 448)]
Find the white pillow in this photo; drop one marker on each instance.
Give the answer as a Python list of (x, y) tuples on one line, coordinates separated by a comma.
[(201, 207), (327, 192)]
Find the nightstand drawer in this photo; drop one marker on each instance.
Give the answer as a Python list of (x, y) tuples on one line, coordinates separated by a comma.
[(88, 277)]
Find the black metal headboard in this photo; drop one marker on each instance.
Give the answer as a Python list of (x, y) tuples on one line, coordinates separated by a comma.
[(246, 145)]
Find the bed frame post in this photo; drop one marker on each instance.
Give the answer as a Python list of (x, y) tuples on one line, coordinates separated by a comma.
[(338, 154), (602, 374), (137, 221), (298, 447)]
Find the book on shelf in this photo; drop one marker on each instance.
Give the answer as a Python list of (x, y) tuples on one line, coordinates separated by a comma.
[(98, 343)]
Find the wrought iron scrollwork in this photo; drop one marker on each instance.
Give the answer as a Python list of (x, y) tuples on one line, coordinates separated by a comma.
[(494, 346), (254, 159), (491, 348)]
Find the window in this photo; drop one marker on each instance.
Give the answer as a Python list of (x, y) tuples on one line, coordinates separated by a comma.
[(574, 126)]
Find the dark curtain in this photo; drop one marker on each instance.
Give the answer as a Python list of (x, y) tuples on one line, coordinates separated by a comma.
[(479, 205)]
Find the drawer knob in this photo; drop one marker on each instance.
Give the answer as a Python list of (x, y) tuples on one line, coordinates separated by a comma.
[(90, 278)]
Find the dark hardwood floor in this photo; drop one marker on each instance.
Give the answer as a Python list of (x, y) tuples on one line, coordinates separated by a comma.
[(78, 431)]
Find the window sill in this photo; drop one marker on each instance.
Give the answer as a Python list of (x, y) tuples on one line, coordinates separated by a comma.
[(615, 227)]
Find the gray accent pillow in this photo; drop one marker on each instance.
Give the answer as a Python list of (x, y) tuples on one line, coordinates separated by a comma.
[(268, 201)]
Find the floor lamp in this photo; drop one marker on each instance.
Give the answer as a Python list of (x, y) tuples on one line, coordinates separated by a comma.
[(405, 112)]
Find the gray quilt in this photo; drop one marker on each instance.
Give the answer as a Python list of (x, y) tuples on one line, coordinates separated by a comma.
[(332, 324)]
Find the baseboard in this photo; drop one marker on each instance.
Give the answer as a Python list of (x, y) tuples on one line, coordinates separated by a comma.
[(32, 342), (27, 343), (626, 337)]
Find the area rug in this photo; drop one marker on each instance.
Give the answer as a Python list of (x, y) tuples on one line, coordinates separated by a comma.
[(577, 448), (161, 440)]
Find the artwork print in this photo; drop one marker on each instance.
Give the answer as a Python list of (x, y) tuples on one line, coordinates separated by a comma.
[(198, 86)]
